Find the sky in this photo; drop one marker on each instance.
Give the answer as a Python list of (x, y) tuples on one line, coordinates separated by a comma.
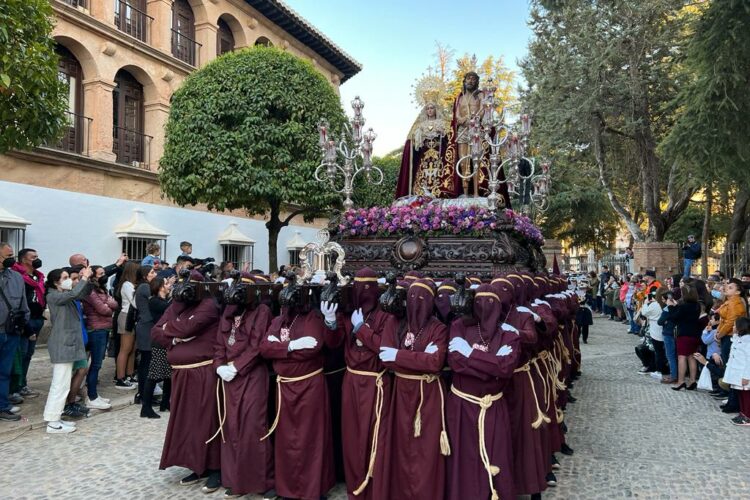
[(394, 41)]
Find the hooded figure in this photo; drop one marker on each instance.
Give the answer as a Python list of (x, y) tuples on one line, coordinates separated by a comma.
[(366, 388), (443, 300), (524, 396), (246, 461), (484, 351), (187, 329), (303, 445), (416, 441)]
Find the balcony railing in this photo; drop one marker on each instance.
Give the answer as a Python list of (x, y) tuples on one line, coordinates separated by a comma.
[(185, 48), (84, 4), (131, 147), (76, 135), (131, 20)]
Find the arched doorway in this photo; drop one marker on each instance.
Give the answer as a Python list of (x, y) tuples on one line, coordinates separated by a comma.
[(265, 42), (224, 38), (127, 112)]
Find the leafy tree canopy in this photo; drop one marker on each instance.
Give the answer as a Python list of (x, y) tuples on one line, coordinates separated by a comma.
[(242, 134), (369, 195), (32, 98)]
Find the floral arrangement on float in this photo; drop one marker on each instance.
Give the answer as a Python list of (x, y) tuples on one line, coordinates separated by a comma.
[(424, 218)]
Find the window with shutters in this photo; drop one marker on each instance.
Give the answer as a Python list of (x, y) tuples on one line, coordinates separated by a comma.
[(184, 46), (70, 73), (131, 18)]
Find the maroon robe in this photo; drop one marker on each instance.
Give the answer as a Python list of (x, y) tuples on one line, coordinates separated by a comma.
[(193, 415), (359, 394), (303, 443), (246, 461), (413, 467), (482, 373)]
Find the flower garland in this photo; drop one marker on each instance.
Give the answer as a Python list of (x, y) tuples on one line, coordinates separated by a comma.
[(435, 220)]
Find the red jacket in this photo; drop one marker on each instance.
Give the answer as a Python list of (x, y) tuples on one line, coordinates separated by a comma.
[(98, 308)]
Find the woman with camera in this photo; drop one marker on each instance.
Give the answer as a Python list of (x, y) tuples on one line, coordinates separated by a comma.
[(65, 344), (143, 324), (158, 367), (688, 328)]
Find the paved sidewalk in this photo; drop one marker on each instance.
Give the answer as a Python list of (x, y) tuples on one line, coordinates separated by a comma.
[(632, 436)]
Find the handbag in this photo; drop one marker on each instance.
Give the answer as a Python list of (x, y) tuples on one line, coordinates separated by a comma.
[(131, 318), (704, 381), (15, 323)]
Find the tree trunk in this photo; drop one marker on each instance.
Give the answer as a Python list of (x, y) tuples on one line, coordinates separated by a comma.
[(739, 215), (274, 226), (705, 233)]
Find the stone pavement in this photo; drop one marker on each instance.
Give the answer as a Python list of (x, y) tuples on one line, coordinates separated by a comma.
[(632, 436)]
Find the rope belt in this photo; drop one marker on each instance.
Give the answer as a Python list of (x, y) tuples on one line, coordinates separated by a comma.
[(540, 416), (194, 365), (221, 409), (286, 380), (429, 378), (484, 403), (333, 372), (379, 398), (554, 384)]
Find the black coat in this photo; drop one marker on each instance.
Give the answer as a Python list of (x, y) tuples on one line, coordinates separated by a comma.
[(685, 317)]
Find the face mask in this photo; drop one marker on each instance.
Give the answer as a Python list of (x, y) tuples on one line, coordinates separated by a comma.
[(66, 284), (716, 294), (103, 281), (36, 263), (9, 262)]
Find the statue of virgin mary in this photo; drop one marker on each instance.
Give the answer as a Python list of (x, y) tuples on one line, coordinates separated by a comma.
[(425, 170)]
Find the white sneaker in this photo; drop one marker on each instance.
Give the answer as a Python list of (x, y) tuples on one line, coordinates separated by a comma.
[(98, 404), (656, 375), (68, 424), (158, 391), (104, 399), (15, 409), (59, 428)]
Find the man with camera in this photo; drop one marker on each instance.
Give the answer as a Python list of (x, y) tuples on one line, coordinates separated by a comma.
[(14, 313), (691, 251)]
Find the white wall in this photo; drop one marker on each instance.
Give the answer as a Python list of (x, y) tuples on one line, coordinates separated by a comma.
[(64, 223)]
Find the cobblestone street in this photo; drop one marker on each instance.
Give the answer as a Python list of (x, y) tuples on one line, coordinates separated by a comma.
[(632, 437)]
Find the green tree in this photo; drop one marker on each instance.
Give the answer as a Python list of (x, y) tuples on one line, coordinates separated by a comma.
[(242, 134), (712, 130), (381, 195), (601, 76), (32, 98)]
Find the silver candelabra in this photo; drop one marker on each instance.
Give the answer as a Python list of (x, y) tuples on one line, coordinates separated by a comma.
[(354, 147), (508, 146)]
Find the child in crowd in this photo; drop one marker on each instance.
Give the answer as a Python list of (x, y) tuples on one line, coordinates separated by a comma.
[(584, 317), (737, 373)]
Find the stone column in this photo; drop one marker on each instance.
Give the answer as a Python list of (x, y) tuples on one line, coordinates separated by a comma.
[(97, 104), (550, 249), (205, 34), (662, 257), (161, 26), (103, 10), (156, 114)]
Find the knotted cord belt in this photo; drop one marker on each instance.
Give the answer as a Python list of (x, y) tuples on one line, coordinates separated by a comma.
[(379, 398), (554, 383), (429, 378), (194, 365), (484, 403), (221, 409), (286, 380), (540, 416)]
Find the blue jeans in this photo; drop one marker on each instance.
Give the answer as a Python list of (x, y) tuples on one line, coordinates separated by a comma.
[(98, 347), (8, 346), (670, 347), (686, 266), (633, 325)]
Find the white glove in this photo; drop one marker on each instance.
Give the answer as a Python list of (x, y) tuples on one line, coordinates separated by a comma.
[(537, 319), (473, 287), (509, 328), (357, 319), (431, 348), (388, 354), (504, 350), (227, 372), (329, 311), (318, 279), (459, 345), (273, 338), (302, 343), (228, 281)]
